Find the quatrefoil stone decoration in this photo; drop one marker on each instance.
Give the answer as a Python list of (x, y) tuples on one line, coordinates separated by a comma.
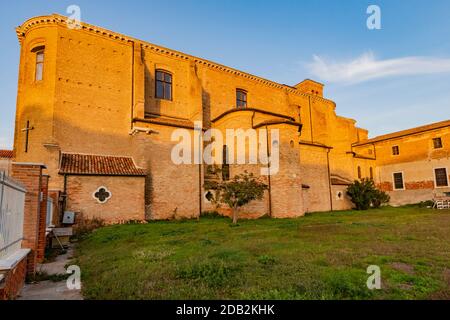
[(102, 194)]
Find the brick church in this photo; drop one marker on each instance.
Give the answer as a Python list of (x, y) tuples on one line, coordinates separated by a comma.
[(99, 108)]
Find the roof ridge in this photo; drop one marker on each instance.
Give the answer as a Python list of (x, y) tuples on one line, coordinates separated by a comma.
[(95, 154), (405, 132)]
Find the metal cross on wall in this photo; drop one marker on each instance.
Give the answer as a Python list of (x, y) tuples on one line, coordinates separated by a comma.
[(27, 132)]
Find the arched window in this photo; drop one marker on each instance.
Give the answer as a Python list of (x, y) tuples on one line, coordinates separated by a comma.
[(163, 85), (241, 98), (359, 172), (371, 173)]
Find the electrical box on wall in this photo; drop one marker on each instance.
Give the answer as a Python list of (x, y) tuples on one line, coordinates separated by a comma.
[(69, 217)]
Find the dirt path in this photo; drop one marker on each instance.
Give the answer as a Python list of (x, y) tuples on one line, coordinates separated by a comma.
[(50, 290)]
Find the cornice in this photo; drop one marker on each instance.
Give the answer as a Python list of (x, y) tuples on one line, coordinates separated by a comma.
[(60, 19)]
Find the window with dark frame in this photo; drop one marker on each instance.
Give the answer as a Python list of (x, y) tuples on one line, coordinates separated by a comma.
[(359, 173), (241, 98), (395, 150), (398, 181), (371, 173), (39, 70), (163, 85), (225, 164), (441, 177), (437, 143)]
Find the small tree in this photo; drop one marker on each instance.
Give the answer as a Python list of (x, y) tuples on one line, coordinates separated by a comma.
[(235, 193), (364, 194)]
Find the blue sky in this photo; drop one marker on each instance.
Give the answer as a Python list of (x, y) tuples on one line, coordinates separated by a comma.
[(389, 79)]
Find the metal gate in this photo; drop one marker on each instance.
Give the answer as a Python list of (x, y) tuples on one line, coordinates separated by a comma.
[(12, 204)]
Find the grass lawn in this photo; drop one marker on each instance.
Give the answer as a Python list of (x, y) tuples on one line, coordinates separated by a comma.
[(320, 256)]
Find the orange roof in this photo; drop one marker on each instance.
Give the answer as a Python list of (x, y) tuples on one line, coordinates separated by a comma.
[(403, 133), (89, 164), (6, 154)]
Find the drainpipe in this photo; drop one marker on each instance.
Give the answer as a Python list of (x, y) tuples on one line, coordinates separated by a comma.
[(329, 180), (310, 119), (200, 195), (64, 200), (132, 84), (268, 167)]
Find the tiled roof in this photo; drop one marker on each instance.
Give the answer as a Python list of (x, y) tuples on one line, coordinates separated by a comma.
[(89, 164), (167, 121), (403, 133), (337, 180), (6, 154)]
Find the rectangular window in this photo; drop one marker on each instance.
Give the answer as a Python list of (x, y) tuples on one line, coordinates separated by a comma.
[(39, 65), (398, 181), (225, 164), (441, 177), (241, 98), (437, 143), (395, 150), (163, 85)]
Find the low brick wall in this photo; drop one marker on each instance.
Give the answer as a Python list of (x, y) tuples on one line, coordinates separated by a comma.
[(13, 280)]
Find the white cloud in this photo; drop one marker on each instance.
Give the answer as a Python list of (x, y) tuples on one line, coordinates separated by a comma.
[(5, 143), (366, 67)]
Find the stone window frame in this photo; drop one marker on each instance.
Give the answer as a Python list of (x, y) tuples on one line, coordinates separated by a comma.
[(435, 180), (97, 190), (403, 181)]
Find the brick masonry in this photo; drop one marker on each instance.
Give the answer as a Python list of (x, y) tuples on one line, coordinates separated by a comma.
[(126, 202), (30, 176), (14, 281), (119, 96)]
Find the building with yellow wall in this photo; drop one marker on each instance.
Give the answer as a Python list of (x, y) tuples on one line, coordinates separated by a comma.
[(99, 109), (411, 165)]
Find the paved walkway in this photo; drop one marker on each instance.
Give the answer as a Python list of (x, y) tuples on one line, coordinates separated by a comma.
[(49, 290)]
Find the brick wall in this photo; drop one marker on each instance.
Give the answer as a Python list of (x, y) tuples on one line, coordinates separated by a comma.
[(98, 105), (30, 176), (14, 281), (126, 203)]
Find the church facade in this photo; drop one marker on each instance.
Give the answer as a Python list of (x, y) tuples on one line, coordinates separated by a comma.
[(99, 109)]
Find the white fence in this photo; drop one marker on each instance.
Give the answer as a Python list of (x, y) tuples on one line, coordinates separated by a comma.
[(12, 203)]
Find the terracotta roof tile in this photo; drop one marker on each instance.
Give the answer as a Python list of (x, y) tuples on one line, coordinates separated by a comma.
[(337, 180), (6, 154), (89, 164)]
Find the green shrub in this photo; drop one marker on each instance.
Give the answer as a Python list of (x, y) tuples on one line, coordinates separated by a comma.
[(210, 214), (85, 226), (364, 194)]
